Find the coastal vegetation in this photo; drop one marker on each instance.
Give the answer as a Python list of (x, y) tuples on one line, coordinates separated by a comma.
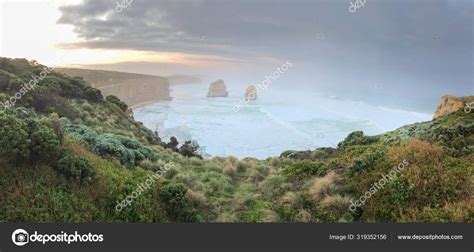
[(69, 155)]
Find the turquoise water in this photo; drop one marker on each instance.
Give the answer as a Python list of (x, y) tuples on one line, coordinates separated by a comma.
[(277, 121)]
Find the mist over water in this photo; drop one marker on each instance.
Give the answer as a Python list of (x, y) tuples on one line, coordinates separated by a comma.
[(278, 120)]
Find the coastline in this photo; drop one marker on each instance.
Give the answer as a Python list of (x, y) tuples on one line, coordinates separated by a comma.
[(143, 104)]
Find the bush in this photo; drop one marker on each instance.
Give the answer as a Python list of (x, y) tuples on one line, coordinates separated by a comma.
[(130, 152), (257, 211), (177, 205), (44, 145), (93, 94), (75, 168), (197, 199), (366, 162), (296, 154), (115, 100), (71, 87), (4, 80), (14, 140), (15, 66), (302, 169), (455, 140), (400, 190), (173, 144), (357, 138), (431, 180), (334, 208), (322, 186), (230, 170), (53, 122), (46, 101), (190, 149), (273, 186)]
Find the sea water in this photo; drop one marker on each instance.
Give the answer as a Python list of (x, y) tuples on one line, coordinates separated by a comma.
[(278, 120)]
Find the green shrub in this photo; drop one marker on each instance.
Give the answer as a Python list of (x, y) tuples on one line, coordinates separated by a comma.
[(44, 143), (273, 186), (302, 169), (400, 190), (366, 162), (93, 94), (115, 100), (128, 151), (46, 101), (173, 144), (71, 87), (190, 149), (296, 154), (177, 205), (357, 138), (4, 80), (14, 139), (53, 122), (75, 168), (256, 212), (455, 140)]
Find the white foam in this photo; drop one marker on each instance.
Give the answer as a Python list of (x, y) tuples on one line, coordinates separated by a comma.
[(276, 122)]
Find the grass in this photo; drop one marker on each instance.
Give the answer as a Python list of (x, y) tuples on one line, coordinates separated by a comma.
[(299, 186)]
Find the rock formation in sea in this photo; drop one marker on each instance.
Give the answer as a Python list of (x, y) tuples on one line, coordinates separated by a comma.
[(251, 93), (451, 104), (217, 89)]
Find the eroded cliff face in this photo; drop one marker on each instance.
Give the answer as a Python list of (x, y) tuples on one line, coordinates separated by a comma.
[(451, 104), (134, 89)]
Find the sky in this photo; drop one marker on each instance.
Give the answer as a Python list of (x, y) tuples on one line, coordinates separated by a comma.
[(404, 53)]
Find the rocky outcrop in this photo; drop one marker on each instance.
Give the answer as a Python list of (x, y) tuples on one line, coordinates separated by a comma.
[(451, 104), (134, 89), (217, 89), (251, 93)]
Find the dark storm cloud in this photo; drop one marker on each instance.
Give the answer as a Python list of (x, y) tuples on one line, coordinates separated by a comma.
[(427, 42), (301, 29)]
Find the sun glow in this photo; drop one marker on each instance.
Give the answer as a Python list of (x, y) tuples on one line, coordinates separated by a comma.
[(29, 29)]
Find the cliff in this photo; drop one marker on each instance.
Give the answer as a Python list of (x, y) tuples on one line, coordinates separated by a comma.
[(217, 89), (451, 104), (134, 89)]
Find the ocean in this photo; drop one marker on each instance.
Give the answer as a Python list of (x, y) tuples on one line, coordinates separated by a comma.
[(278, 120)]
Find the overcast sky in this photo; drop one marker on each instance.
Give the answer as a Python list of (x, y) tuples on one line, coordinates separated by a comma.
[(414, 48)]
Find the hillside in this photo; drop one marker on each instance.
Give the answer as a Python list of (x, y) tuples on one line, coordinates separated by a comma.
[(134, 89), (69, 155)]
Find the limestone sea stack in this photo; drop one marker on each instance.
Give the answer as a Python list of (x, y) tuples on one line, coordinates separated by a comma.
[(217, 89), (451, 104), (251, 93)]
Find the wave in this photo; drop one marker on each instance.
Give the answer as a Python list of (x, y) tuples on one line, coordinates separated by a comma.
[(276, 122)]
